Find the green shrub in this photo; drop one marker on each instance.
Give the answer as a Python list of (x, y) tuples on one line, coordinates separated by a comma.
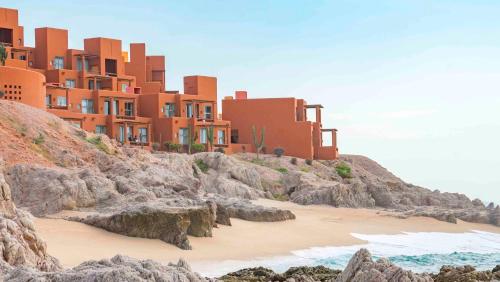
[(166, 145), (155, 146), (40, 139), (343, 170), (309, 162), (196, 148), (293, 161), (305, 169), (220, 150), (202, 165), (279, 152), (97, 141), (174, 147), (258, 162), (282, 170)]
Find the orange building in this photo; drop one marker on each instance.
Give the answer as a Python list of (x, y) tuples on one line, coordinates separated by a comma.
[(102, 90), (286, 126)]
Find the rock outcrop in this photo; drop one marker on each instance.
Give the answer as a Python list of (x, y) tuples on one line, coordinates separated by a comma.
[(171, 225), (19, 243), (117, 269), (369, 185), (245, 210), (362, 268), (296, 274), (466, 273)]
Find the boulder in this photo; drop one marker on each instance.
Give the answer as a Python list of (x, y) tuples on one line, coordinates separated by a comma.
[(171, 225), (362, 268), (246, 210)]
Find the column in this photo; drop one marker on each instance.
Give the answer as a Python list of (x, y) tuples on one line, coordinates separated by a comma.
[(318, 114), (126, 133)]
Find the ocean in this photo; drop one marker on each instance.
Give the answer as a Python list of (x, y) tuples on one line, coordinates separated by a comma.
[(416, 251)]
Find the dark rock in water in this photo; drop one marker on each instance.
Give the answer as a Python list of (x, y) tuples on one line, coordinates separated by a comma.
[(316, 273), (250, 274), (465, 273), (171, 225), (261, 274), (117, 269)]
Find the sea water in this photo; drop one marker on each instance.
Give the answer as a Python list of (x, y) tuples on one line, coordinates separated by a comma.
[(416, 251)]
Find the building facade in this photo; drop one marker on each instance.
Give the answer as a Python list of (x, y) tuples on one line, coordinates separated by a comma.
[(105, 89), (286, 126)]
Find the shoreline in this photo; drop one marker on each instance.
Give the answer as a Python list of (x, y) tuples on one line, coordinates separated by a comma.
[(315, 226)]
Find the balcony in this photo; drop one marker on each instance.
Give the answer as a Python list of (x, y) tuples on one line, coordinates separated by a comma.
[(57, 107), (127, 117)]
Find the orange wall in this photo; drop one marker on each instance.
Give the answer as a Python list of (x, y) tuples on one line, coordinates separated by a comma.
[(278, 117), (23, 85), (49, 43), (9, 20)]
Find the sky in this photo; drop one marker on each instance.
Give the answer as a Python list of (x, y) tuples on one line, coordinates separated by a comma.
[(412, 84)]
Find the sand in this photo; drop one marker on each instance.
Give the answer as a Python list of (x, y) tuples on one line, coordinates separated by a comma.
[(315, 226)]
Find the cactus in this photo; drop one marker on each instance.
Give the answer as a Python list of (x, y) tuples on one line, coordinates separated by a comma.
[(259, 144), (192, 137), (210, 137), (3, 54)]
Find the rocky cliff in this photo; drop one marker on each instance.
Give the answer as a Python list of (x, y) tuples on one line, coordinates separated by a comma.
[(19, 243)]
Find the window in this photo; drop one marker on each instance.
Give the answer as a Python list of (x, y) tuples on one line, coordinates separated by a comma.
[(107, 107), (70, 83), (143, 135), (94, 87), (116, 107), (100, 129), (58, 63), (234, 136), (189, 110), (124, 87), (22, 57), (48, 100), (208, 112), (110, 66), (129, 109), (221, 137), (79, 65), (87, 106), (6, 35), (169, 110), (203, 136), (121, 136), (183, 136), (130, 134), (61, 101)]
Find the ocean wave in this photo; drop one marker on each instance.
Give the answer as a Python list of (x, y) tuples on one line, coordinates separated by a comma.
[(416, 251)]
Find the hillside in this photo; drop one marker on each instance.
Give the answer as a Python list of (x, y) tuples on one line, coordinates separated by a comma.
[(47, 166)]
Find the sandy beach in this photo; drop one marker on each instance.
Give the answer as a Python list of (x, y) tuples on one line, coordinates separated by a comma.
[(315, 226)]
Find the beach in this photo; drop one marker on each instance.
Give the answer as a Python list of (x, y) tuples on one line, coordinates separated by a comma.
[(315, 226)]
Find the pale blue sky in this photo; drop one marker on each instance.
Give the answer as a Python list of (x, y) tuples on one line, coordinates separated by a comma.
[(413, 84)]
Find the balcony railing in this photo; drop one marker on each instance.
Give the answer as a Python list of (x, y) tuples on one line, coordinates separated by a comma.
[(125, 117), (57, 107)]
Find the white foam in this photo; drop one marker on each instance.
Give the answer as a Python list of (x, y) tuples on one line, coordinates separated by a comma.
[(408, 243)]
